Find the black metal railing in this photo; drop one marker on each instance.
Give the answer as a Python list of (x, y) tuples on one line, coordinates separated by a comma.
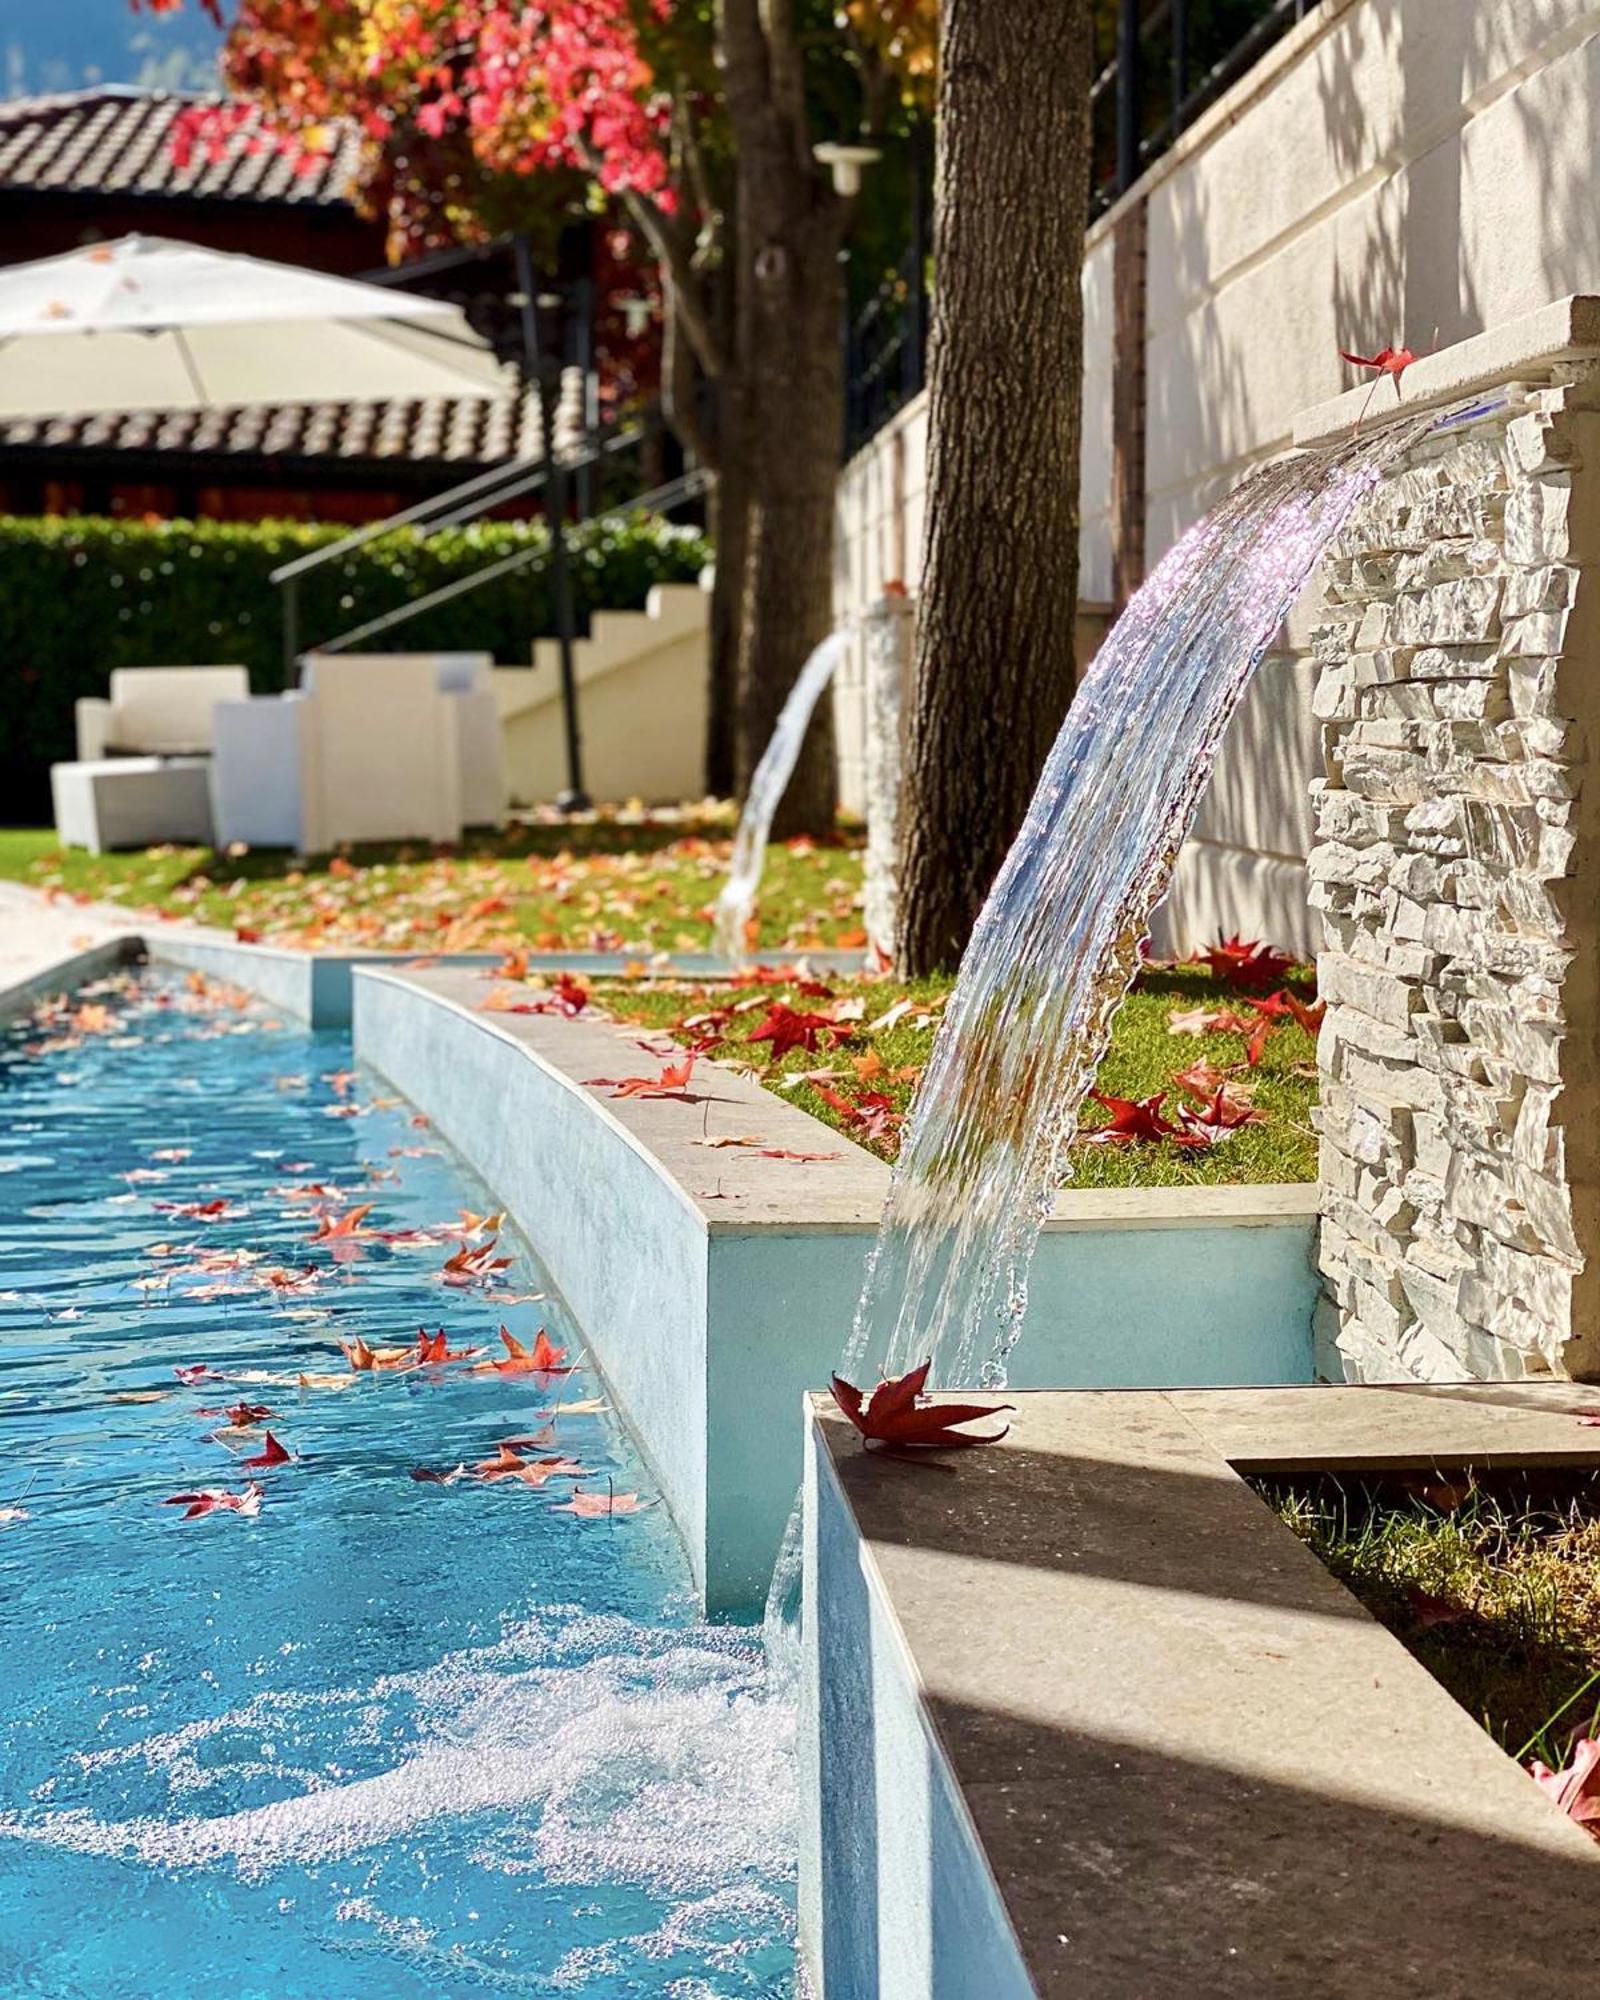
[(1165, 63)]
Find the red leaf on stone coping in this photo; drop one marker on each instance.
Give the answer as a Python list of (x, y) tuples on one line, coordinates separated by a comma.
[(895, 1414), (672, 1082), (1387, 361)]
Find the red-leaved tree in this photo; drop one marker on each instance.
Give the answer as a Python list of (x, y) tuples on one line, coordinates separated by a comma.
[(697, 120)]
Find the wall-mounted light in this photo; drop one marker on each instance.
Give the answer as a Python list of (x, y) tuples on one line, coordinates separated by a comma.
[(846, 163)]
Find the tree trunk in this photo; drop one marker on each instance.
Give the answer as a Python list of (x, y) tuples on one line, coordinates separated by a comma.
[(730, 514), (785, 391), (994, 668), (792, 412)]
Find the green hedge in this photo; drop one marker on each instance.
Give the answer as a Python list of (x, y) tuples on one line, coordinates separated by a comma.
[(81, 596)]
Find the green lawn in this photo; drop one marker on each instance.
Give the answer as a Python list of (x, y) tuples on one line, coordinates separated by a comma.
[(1143, 1059)]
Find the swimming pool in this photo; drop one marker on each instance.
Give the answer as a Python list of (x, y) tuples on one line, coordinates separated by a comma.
[(350, 1731)]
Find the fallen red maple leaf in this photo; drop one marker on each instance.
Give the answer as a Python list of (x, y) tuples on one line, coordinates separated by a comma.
[(1220, 1115), (347, 1224), (216, 1500), (472, 1266), (1246, 962), (196, 1371), (785, 1029), (1259, 1036), (1388, 360), (893, 1415), (363, 1359), (272, 1453), (1132, 1120), (594, 1506), (672, 1082), (1576, 1790), (1306, 1016), (434, 1349), (544, 1359)]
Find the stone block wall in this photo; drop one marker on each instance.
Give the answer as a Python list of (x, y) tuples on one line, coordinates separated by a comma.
[(1454, 870)]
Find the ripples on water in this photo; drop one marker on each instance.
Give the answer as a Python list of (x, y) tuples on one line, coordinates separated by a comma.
[(388, 1738)]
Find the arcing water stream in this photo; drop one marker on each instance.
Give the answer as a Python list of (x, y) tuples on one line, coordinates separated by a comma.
[(767, 787)]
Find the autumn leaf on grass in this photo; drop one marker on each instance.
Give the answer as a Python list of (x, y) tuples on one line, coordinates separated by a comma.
[(785, 1028), (216, 1500), (1576, 1790), (271, 1453), (1133, 1121), (1260, 1034), (1308, 1017), (1190, 1020), (1200, 1079), (1223, 1114), (895, 1413), (672, 1082), (1246, 962)]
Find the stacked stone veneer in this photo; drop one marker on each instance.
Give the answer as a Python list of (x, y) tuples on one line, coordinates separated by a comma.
[(1454, 867)]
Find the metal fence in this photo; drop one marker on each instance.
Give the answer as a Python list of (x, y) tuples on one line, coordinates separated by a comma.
[(1164, 62)]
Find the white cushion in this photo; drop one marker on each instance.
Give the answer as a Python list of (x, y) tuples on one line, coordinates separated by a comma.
[(166, 711)]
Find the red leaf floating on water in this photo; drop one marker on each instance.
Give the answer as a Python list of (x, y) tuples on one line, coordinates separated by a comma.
[(545, 1359), (473, 1266), (343, 1225), (595, 1506), (216, 1500), (196, 1371), (893, 1414), (434, 1349), (272, 1453)]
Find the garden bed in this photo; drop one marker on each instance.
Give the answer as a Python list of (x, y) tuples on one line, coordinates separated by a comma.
[(1492, 1582)]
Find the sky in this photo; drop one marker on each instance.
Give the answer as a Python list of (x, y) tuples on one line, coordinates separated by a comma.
[(50, 45)]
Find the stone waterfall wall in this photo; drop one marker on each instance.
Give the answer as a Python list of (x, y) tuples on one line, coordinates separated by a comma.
[(1454, 871)]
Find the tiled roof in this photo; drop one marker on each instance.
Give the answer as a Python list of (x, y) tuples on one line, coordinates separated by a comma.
[(113, 140), (437, 430)]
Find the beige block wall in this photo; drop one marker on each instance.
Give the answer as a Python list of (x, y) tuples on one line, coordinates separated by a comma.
[(1391, 167)]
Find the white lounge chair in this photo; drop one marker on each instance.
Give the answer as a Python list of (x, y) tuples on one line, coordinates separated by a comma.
[(140, 774), (365, 751), (156, 711)]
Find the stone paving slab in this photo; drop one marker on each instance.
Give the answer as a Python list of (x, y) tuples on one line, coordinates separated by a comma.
[(1194, 1762)]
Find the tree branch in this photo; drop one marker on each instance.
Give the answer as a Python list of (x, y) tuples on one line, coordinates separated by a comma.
[(674, 251)]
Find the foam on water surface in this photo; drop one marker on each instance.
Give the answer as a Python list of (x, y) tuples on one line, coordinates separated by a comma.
[(388, 1737)]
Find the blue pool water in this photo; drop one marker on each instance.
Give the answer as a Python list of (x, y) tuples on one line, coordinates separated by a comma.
[(387, 1737)]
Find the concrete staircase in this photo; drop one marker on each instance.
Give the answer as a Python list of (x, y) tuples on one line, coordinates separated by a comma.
[(641, 704)]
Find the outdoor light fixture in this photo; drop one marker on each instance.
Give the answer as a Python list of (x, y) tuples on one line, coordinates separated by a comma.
[(846, 163), (635, 310)]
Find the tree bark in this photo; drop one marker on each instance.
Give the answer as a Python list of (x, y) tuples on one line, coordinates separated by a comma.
[(784, 395), (730, 517), (994, 663)]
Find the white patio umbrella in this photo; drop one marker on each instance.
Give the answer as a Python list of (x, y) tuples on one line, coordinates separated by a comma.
[(149, 324)]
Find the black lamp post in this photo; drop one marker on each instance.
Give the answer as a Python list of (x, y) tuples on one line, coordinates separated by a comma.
[(543, 354)]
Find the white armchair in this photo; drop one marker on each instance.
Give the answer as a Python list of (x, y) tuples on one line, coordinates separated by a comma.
[(467, 680), (156, 711), (365, 751)]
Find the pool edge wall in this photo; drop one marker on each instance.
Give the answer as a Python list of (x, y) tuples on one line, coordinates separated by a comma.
[(713, 1288)]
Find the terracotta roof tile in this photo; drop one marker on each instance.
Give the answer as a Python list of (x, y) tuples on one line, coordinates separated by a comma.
[(116, 140)]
